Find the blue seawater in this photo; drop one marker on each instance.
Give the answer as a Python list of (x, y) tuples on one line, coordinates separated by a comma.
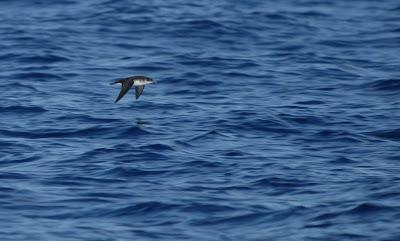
[(270, 120)]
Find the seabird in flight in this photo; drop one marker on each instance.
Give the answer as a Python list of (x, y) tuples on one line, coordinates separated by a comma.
[(126, 83)]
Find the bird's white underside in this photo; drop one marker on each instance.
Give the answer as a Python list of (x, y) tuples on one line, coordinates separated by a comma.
[(141, 82)]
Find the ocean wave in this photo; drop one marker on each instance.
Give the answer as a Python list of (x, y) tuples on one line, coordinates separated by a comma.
[(369, 208), (128, 172), (279, 183), (37, 76), (208, 134), (143, 208), (17, 160), (249, 218), (361, 209), (13, 176), (393, 134), (304, 119), (18, 109), (43, 59), (17, 86), (267, 126), (157, 147), (86, 118), (389, 85), (57, 133)]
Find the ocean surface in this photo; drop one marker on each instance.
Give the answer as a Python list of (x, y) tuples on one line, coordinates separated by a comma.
[(270, 120)]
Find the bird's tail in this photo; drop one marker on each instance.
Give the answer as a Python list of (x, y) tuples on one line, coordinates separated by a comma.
[(117, 81)]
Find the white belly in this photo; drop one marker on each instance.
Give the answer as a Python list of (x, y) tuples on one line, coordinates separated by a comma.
[(141, 82)]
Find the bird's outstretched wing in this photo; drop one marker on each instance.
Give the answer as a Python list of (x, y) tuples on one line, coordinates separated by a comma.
[(139, 89), (126, 84)]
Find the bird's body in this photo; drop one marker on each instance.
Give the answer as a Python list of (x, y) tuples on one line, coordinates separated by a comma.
[(126, 83)]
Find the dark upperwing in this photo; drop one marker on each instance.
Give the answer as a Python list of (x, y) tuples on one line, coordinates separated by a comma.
[(125, 87)]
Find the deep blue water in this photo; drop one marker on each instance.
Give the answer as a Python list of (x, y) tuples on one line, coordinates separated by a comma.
[(269, 120)]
